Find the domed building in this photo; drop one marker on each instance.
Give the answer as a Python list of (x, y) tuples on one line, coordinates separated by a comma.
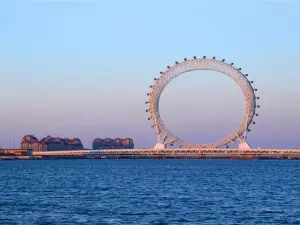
[(74, 143), (29, 138), (117, 143), (128, 142), (50, 143), (31, 142)]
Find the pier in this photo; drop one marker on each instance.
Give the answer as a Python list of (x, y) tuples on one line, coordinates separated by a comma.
[(176, 153), (139, 153)]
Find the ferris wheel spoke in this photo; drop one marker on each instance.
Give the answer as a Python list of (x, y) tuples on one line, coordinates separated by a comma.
[(170, 142), (165, 137), (234, 142)]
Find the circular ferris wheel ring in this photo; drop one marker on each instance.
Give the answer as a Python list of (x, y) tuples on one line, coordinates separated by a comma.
[(167, 137)]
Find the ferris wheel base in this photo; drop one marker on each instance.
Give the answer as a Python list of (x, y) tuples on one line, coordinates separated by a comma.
[(244, 145), (159, 146)]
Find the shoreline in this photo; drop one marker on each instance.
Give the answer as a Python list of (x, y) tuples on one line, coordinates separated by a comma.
[(200, 157)]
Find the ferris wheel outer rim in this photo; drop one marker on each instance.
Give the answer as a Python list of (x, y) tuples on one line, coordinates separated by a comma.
[(250, 102)]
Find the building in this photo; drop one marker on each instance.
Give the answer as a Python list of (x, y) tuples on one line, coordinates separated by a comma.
[(50, 143), (117, 143), (31, 142)]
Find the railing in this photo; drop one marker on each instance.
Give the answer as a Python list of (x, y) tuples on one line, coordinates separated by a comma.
[(217, 151)]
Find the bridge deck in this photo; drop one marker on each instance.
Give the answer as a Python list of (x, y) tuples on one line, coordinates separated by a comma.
[(217, 151)]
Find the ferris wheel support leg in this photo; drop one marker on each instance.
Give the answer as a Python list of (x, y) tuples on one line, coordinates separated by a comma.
[(160, 141), (244, 145), (165, 137), (239, 137)]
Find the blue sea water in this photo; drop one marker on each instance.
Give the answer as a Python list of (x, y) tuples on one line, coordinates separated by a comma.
[(150, 192)]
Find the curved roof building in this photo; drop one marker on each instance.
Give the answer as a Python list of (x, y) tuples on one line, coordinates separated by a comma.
[(117, 143), (50, 143), (29, 138)]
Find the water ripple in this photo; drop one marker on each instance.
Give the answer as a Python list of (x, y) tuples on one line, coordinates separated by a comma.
[(150, 192)]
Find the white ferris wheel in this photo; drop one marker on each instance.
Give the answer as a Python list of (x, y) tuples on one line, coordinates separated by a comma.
[(238, 136)]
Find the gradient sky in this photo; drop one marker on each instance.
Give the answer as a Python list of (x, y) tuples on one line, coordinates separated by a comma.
[(83, 68)]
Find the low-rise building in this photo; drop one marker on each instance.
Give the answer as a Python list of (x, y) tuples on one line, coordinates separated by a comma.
[(117, 143), (50, 143)]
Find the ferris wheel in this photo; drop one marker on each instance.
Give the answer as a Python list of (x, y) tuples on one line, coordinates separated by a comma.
[(238, 136)]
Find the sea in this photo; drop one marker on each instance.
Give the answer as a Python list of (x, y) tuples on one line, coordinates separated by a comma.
[(149, 191)]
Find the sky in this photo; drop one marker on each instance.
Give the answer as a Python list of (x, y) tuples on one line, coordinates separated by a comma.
[(75, 68)]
